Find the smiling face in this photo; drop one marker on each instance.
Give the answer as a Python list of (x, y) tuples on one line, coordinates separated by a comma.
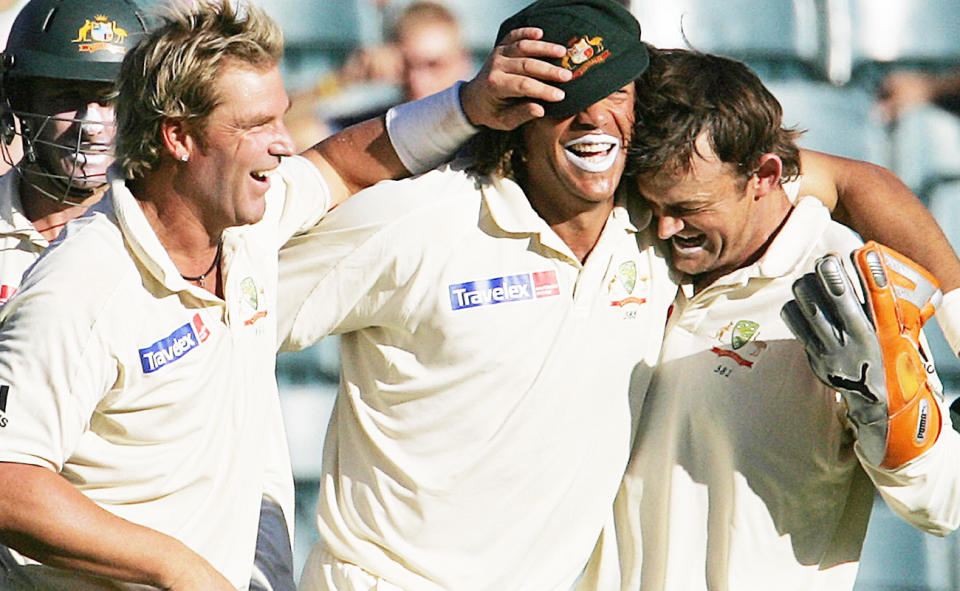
[(72, 136), (575, 163), (715, 220), (242, 140)]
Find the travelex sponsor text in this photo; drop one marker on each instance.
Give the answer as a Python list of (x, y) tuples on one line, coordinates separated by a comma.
[(173, 347), (499, 290)]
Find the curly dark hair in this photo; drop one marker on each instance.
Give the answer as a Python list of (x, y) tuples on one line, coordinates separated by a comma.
[(684, 93)]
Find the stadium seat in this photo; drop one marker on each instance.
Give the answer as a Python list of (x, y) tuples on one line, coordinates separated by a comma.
[(867, 37), (776, 37), (926, 149), (899, 557), (836, 119)]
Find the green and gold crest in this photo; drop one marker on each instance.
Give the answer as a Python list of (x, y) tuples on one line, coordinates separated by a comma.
[(627, 275), (743, 331), (248, 288)]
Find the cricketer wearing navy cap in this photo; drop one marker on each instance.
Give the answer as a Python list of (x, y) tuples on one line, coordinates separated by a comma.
[(495, 315), (595, 32)]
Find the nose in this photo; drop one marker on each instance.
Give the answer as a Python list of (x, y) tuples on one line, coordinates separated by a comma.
[(282, 144), (97, 118), (667, 226), (595, 115)]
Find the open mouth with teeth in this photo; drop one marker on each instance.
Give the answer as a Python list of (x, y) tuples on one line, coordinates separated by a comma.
[(594, 152), (688, 244), (260, 175)]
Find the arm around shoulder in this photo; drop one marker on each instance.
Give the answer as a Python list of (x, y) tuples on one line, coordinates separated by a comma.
[(874, 202)]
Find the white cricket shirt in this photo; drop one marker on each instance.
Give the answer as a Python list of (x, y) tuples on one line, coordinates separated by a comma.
[(20, 242), (483, 420), (152, 396), (744, 474)]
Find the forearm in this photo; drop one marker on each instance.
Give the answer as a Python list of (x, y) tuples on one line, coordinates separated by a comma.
[(357, 157), (44, 517), (874, 202)]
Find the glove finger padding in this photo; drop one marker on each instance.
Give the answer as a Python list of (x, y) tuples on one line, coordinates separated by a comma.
[(829, 319), (901, 296)]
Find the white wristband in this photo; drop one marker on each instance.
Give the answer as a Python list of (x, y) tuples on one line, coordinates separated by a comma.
[(948, 317), (428, 131)]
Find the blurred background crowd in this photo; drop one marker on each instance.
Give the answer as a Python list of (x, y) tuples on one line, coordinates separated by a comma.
[(876, 80)]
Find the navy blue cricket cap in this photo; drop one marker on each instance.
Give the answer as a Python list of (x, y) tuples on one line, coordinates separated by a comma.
[(604, 50)]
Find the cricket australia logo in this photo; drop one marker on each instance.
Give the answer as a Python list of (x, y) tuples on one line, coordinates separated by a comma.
[(743, 331), (623, 285), (583, 53), (101, 34), (250, 294)]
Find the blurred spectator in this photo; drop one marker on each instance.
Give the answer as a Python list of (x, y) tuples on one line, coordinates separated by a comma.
[(433, 54), (426, 54), (905, 89)]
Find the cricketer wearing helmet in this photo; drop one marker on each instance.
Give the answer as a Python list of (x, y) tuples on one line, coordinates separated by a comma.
[(57, 74)]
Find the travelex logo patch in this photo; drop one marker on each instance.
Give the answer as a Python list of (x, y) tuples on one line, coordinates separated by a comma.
[(179, 343), (499, 290)]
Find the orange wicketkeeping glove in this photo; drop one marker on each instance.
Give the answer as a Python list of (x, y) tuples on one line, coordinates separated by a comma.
[(871, 353)]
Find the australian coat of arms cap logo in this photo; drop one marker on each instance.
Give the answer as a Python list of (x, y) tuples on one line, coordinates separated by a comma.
[(583, 53), (101, 34)]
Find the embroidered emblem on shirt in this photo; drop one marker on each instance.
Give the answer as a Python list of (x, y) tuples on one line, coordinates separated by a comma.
[(732, 355), (499, 290), (743, 331), (168, 349), (623, 284), (248, 288), (250, 296)]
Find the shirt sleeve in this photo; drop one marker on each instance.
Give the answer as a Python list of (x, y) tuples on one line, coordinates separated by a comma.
[(330, 270), (306, 196), (925, 492), (353, 269), (54, 371)]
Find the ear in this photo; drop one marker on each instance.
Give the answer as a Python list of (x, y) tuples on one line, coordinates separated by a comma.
[(177, 140), (767, 175)]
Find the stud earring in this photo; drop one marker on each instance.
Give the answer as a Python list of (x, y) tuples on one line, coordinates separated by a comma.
[(184, 158)]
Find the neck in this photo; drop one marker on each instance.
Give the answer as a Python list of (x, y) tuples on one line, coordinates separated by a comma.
[(48, 215), (177, 222), (579, 227)]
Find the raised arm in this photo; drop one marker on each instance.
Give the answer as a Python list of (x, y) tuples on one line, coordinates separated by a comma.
[(46, 518), (874, 202), (503, 95)]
